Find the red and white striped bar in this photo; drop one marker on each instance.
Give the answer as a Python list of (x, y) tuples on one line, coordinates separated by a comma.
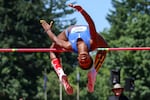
[(63, 50), (32, 50), (125, 49)]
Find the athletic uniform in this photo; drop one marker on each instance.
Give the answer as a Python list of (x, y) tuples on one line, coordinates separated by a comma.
[(82, 32), (76, 33), (73, 35)]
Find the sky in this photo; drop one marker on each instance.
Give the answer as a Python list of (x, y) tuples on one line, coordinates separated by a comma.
[(97, 9)]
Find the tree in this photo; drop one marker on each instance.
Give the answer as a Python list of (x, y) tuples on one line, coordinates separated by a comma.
[(20, 27), (130, 28)]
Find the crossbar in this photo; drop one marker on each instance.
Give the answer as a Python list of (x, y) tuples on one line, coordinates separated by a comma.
[(32, 50), (125, 49), (63, 50)]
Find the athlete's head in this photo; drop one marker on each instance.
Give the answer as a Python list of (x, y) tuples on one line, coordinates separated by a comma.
[(85, 60)]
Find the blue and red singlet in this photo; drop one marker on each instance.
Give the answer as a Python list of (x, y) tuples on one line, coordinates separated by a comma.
[(77, 32)]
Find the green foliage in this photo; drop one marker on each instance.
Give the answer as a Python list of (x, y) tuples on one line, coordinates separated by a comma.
[(21, 74), (20, 28), (130, 28)]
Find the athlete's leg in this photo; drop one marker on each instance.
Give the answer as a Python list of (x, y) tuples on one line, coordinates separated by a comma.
[(56, 63), (99, 59), (91, 79)]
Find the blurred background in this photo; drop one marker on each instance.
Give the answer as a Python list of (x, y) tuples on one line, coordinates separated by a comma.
[(30, 76)]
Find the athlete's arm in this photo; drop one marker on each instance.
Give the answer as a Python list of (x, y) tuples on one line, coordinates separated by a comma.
[(47, 27), (87, 18), (56, 39)]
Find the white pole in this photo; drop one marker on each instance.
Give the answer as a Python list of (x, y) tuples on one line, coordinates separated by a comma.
[(60, 91), (60, 87), (45, 82), (78, 78)]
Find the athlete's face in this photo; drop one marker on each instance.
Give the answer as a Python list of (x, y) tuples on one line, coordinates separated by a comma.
[(84, 60)]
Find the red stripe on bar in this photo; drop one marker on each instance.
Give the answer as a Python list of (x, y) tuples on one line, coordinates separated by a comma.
[(63, 50), (132, 49), (125, 49), (32, 50)]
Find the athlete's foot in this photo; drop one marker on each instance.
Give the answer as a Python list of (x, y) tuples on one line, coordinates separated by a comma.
[(67, 86), (91, 81)]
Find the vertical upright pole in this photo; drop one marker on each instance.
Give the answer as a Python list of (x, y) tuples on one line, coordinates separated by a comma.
[(60, 91), (77, 90), (45, 82), (78, 78), (60, 86)]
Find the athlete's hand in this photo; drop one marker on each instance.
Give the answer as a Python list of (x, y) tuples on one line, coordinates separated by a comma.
[(45, 25), (77, 7)]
